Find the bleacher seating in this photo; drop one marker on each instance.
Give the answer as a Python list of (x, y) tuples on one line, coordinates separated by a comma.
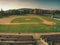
[(54, 38), (17, 40)]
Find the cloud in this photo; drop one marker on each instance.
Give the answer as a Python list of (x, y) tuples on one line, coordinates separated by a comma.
[(13, 4)]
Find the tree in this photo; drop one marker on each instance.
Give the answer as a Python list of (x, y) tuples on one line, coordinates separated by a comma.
[(1, 13)]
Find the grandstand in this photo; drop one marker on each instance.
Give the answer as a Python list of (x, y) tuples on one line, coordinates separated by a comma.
[(51, 39), (17, 40)]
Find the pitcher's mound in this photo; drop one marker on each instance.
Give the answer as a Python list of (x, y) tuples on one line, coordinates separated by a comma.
[(27, 19)]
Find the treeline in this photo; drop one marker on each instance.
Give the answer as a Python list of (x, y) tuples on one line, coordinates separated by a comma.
[(27, 11)]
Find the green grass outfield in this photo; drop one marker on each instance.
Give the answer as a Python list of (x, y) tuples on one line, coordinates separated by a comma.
[(31, 28)]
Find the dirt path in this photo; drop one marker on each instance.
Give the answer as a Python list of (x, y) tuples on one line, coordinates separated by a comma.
[(47, 22), (21, 23), (9, 19), (6, 20)]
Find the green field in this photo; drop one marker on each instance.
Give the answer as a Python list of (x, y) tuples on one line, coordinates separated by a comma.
[(28, 28)]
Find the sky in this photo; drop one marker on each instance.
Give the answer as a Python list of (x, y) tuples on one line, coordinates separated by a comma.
[(41, 4)]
